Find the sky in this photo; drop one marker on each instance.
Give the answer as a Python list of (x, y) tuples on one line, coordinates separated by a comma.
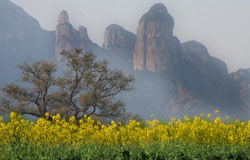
[(223, 26)]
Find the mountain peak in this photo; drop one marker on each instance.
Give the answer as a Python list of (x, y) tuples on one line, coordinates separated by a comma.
[(63, 17), (156, 48), (158, 7), (114, 27), (119, 40), (157, 11)]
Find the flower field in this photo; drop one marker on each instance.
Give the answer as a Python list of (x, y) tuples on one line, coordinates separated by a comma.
[(199, 137)]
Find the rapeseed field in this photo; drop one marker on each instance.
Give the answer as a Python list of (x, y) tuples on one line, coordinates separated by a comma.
[(202, 133)]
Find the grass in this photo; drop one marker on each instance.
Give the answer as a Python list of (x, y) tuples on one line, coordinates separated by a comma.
[(178, 151)]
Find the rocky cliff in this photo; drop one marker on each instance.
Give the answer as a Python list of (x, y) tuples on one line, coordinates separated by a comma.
[(170, 76), (156, 48), (120, 42), (68, 38), (199, 82), (207, 78), (198, 55)]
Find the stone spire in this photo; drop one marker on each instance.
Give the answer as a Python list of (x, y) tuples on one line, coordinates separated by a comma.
[(68, 38), (63, 17), (156, 48)]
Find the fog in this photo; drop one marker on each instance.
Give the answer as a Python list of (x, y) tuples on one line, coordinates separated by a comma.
[(222, 25)]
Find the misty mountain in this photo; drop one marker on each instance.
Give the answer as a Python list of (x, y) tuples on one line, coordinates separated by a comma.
[(172, 78), (21, 38), (194, 80)]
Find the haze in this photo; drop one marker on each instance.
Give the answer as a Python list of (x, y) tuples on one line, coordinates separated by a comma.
[(222, 26)]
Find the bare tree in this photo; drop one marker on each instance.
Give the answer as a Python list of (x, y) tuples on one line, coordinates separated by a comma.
[(87, 87), (34, 98), (90, 87)]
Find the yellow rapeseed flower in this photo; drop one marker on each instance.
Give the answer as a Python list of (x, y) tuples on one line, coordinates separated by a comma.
[(216, 111), (46, 115), (72, 119), (186, 118), (209, 115), (87, 131), (12, 115), (202, 115)]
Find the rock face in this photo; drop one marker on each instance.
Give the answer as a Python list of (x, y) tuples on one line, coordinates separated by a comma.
[(120, 42), (207, 78), (63, 17), (200, 82), (156, 48), (120, 45), (171, 77), (197, 54), (68, 38)]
